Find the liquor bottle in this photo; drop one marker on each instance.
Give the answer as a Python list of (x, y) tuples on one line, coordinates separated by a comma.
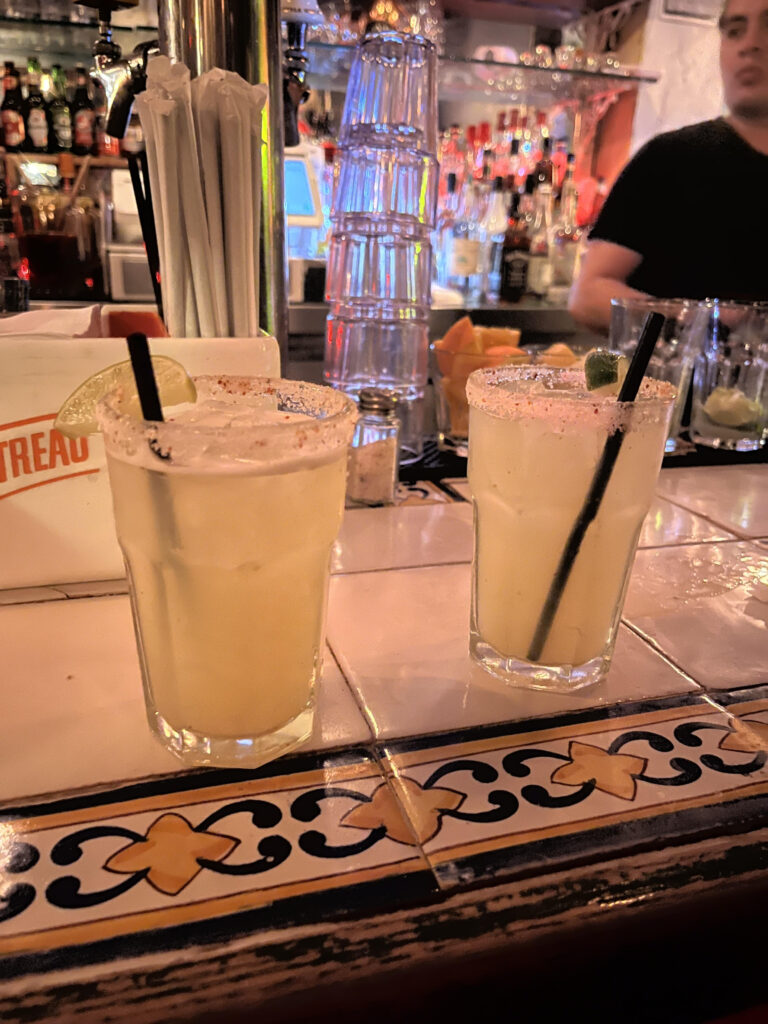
[(526, 143), (487, 175), (35, 111), (566, 237), (9, 245), (500, 148), (447, 212), (540, 263), (514, 255), (453, 154), (544, 171), (471, 135), (46, 85), (527, 207), (74, 216), (517, 171), (60, 113), (66, 174), (482, 143), (466, 246), (11, 110), (493, 228), (541, 132), (512, 126), (83, 116), (560, 164)]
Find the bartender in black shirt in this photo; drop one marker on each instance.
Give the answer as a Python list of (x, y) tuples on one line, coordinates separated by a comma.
[(688, 215)]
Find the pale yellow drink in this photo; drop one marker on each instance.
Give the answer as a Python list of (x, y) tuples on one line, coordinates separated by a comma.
[(227, 545), (536, 437)]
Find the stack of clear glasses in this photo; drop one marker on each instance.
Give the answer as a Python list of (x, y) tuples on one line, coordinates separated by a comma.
[(383, 213)]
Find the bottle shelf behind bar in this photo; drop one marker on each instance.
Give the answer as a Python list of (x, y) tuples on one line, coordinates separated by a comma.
[(464, 79), (96, 162), (62, 41), (460, 79)]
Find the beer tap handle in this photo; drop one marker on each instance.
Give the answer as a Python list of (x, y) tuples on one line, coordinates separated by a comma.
[(122, 78)]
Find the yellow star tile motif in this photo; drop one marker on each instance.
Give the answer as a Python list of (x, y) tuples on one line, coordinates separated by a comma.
[(424, 808), (611, 773), (170, 853), (748, 736)]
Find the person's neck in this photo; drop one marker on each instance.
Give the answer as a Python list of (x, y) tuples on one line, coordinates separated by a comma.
[(753, 131)]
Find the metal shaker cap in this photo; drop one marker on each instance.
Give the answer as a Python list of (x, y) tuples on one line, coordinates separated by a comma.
[(376, 400)]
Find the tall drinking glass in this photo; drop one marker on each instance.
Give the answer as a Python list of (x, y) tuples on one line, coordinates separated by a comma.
[(226, 515), (675, 352), (536, 437), (730, 378)]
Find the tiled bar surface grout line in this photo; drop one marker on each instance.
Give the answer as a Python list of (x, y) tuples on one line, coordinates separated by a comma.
[(400, 568), (694, 543), (363, 711), (664, 655), (707, 518)]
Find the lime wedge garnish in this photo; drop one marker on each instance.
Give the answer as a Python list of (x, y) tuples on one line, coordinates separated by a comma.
[(77, 416), (605, 371), (730, 407)]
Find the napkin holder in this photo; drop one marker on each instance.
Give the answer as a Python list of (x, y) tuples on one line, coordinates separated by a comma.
[(56, 522)]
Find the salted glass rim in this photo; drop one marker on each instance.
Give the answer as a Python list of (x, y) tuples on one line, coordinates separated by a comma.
[(333, 414), (486, 392)]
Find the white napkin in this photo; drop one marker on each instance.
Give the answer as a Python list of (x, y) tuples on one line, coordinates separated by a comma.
[(55, 323)]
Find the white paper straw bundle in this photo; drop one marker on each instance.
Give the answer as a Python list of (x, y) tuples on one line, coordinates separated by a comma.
[(204, 152)]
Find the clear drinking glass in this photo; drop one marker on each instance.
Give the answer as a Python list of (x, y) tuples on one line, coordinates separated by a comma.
[(226, 515), (730, 377), (392, 93), (536, 437), (384, 189), (386, 272), (675, 351), (377, 346)]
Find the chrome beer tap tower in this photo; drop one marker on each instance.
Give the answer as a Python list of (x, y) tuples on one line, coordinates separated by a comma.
[(236, 35)]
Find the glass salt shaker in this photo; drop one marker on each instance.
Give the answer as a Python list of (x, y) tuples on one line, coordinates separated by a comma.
[(372, 468)]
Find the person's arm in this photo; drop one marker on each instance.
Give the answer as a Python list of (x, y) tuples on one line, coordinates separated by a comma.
[(626, 233), (604, 271)]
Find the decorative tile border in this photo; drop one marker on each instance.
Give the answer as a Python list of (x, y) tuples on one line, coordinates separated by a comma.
[(208, 856), (458, 487), (87, 870), (505, 802), (750, 707), (421, 492)]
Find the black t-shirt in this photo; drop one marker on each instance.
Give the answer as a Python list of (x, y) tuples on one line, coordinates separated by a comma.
[(694, 204)]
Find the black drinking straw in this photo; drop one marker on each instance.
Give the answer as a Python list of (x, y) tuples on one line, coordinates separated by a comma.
[(146, 385), (139, 170), (151, 410), (648, 338)]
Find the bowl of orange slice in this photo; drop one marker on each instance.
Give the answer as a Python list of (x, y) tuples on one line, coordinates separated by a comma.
[(466, 347)]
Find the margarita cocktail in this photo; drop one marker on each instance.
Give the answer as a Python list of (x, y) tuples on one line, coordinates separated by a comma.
[(226, 515), (536, 438)]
